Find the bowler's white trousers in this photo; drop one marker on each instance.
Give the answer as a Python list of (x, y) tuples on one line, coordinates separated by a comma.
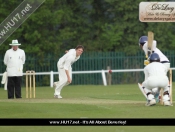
[(156, 81), (63, 81)]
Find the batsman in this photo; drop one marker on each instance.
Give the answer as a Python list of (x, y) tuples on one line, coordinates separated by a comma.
[(149, 46)]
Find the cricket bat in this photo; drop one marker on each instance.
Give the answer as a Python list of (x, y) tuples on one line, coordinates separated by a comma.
[(150, 42)]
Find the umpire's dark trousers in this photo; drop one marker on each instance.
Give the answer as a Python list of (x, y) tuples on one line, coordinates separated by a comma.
[(14, 87)]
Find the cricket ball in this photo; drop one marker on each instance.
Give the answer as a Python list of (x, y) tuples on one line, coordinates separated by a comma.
[(110, 71)]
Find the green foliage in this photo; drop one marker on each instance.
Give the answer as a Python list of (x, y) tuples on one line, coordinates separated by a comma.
[(99, 25), (115, 102)]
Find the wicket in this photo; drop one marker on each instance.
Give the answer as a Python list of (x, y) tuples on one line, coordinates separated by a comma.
[(30, 84), (170, 90)]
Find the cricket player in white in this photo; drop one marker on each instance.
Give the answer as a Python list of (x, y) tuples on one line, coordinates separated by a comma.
[(65, 69), (143, 43), (155, 76)]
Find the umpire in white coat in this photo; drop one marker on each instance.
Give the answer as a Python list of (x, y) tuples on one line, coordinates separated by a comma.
[(14, 59), (155, 76), (65, 69)]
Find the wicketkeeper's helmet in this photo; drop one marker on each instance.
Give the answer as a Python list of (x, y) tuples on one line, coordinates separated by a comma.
[(143, 40), (154, 57)]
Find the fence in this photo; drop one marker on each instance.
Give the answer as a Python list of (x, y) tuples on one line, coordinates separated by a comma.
[(102, 72), (90, 61)]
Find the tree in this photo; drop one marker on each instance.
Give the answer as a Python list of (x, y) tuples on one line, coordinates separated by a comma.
[(99, 25)]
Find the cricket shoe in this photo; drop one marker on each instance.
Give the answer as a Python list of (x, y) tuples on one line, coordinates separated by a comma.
[(58, 96), (166, 100), (151, 102), (167, 103)]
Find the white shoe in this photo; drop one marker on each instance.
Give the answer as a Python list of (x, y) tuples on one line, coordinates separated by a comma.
[(58, 96), (151, 102), (166, 100), (167, 103)]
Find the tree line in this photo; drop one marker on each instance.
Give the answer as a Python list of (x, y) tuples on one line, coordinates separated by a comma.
[(98, 25)]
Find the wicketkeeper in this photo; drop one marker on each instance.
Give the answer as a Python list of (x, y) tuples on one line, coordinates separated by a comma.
[(155, 76)]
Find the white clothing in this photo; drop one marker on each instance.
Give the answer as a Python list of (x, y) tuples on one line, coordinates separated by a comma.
[(167, 65), (157, 90), (63, 64), (14, 61), (161, 55), (4, 80), (156, 50), (68, 59), (145, 46), (155, 73), (155, 76), (62, 80)]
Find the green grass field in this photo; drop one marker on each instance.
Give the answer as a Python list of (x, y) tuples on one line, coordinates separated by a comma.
[(91, 101)]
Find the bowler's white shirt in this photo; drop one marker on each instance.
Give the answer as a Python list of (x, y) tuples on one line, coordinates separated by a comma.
[(156, 50), (68, 59), (155, 69), (14, 61)]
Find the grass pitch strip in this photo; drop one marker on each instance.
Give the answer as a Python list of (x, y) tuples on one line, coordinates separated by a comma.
[(90, 101)]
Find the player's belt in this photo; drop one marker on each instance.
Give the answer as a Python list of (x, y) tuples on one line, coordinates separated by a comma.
[(164, 62)]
